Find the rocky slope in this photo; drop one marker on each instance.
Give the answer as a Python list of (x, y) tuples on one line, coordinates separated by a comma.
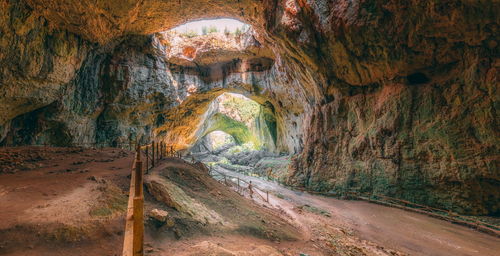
[(394, 97)]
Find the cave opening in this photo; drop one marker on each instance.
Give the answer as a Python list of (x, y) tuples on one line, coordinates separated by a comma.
[(236, 131), (226, 74), (215, 140), (209, 26)]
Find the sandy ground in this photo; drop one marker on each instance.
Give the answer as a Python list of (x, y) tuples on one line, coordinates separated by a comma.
[(388, 227), (46, 195)]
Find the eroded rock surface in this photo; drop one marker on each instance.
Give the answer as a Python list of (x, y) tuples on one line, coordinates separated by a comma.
[(392, 97)]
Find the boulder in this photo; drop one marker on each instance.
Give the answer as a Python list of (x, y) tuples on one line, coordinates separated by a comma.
[(159, 215)]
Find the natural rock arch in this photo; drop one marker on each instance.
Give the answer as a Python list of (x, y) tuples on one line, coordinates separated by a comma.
[(238, 130), (188, 120)]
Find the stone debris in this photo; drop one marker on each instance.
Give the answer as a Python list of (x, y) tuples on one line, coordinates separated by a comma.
[(159, 215)]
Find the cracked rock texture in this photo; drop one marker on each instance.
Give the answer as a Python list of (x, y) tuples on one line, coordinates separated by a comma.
[(392, 97)]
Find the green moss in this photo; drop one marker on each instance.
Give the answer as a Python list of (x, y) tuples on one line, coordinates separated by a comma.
[(267, 116), (247, 109), (69, 234), (315, 210), (238, 130), (112, 200), (100, 212)]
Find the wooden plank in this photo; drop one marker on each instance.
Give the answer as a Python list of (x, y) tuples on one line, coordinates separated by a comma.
[(129, 222)]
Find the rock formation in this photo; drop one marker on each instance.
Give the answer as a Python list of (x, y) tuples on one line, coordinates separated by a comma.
[(391, 97)]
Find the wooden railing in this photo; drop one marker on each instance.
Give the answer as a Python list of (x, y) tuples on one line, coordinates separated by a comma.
[(446, 215), (442, 214), (240, 184), (133, 242), (156, 151)]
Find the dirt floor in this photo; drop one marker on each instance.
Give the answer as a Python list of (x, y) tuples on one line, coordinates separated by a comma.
[(376, 225), (62, 201), (71, 201)]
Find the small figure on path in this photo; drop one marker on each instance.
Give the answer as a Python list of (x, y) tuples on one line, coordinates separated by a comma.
[(250, 189)]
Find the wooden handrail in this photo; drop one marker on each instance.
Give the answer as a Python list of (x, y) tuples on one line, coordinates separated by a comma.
[(423, 209), (244, 181), (133, 241)]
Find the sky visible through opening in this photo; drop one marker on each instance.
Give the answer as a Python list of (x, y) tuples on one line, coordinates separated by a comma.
[(220, 24)]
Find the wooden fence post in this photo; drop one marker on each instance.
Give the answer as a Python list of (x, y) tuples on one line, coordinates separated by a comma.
[(147, 158), (138, 214), (153, 154), (138, 173), (157, 151)]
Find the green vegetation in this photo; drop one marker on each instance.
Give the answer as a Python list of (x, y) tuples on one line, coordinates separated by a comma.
[(279, 195), (242, 148), (213, 29), (247, 108), (238, 32), (273, 168), (243, 119), (111, 200), (208, 30), (315, 210), (238, 130), (218, 139), (69, 233), (190, 34)]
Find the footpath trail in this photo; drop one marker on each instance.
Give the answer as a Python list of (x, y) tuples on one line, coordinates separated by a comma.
[(389, 227)]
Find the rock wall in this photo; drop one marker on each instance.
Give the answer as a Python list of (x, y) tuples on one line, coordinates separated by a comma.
[(129, 90), (413, 102), (36, 61)]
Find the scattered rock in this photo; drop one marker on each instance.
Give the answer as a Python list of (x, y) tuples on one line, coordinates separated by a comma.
[(159, 215)]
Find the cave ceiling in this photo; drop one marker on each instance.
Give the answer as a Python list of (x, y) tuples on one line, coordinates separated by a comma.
[(101, 21)]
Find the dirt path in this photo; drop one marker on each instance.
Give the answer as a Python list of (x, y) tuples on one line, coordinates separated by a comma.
[(50, 200), (400, 230)]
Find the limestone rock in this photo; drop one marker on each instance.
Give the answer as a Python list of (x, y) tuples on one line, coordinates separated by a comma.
[(209, 248), (165, 191), (159, 215)]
